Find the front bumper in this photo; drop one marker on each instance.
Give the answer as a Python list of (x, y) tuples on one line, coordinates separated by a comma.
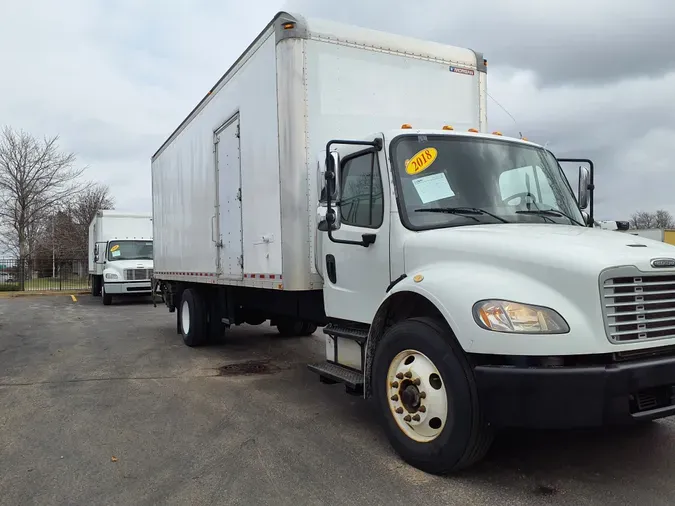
[(569, 397), (128, 287)]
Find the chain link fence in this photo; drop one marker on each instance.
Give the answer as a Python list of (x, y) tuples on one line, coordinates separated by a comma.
[(43, 274)]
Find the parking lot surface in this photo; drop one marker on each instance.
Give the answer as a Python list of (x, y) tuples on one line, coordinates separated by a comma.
[(105, 405)]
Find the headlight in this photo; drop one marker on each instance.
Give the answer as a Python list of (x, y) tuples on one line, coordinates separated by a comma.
[(111, 275), (506, 316)]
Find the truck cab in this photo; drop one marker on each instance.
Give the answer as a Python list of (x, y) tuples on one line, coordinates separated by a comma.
[(120, 254), (467, 290), (127, 267)]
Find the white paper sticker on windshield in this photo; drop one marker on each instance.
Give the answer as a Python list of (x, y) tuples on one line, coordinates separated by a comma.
[(116, 253), (433, 188)]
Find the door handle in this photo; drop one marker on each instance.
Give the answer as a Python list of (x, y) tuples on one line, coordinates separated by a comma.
[(331, 269)]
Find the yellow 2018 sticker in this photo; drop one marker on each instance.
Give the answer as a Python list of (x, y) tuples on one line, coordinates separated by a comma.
[(115, 247), (421, 160)]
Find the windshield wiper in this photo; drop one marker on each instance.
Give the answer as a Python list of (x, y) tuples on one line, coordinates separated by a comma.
[(550, 212), (462, 211)]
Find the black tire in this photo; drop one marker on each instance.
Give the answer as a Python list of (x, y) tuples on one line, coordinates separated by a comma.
[(466, 437), (290, 328), (105, 296), (308, 329), (197, 331), (96, 286)]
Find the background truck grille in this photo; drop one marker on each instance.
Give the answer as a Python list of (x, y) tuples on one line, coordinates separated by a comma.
[(639, 307), (137, 274)]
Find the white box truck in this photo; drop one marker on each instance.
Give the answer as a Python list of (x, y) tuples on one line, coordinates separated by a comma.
[(342, 177), (120, 254)]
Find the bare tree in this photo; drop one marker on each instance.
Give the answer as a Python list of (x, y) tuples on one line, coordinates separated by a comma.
[(87, 203), (36, 178), (664, 219), (658, 219)]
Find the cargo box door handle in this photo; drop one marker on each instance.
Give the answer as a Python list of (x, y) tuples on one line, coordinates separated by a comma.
[(213, 232)]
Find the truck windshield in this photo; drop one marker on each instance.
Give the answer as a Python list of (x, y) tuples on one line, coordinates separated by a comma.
[(130, 250), (446, 181)]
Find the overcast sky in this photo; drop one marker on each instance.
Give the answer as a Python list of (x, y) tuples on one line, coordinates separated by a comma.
[(592, 78)]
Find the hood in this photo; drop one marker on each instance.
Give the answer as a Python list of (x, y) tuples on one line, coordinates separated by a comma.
[(546, 245)]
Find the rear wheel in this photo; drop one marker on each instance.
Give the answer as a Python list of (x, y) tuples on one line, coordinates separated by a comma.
[(295, 328), (308, 329), (193, 319), (95, 286), (427, 398)]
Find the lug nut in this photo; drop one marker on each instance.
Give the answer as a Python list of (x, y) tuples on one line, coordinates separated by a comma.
[(416, 418), (408, 375), (394, 384), (407, 418), (400, 375), (394, 397), (417, 382), (399, 411), (423, 395), (423, 409)]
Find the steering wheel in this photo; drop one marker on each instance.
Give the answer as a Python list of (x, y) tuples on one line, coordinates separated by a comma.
[(520, 195)]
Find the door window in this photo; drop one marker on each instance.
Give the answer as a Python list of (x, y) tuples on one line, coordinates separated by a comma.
[(361, 202)]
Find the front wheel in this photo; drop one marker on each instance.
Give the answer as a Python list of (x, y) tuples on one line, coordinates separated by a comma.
[(105, 296), (427, 397)]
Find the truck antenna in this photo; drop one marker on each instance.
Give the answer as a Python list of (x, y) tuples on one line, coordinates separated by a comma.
[(507, 112)]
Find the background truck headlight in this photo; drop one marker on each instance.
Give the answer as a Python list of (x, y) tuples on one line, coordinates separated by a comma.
[(111, 275), (507, 316)]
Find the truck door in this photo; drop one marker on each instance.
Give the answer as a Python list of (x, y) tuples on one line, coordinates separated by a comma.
[(228, 207), (100, 256), (355, 275)]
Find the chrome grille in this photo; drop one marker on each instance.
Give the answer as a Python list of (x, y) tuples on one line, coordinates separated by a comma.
[(137, 274), (639, 306)]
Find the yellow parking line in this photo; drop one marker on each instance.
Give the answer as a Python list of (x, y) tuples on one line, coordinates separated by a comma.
[(74, 298)]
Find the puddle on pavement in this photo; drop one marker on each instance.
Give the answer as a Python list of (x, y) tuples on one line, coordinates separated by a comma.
[(248, 368)]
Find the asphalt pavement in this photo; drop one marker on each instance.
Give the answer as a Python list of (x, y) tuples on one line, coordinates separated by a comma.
[(105, 405)]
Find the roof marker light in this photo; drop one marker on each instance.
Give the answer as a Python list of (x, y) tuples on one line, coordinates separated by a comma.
[(288, 26), (473, 130), (406, 126), (447, 127), (496, 132)]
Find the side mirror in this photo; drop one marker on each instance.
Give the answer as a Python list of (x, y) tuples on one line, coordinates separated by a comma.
[(584, 183), (328, 173), (622, 225), (332, 176), (96, 253)]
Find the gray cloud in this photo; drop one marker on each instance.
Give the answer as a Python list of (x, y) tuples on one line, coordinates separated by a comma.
[(592, 79), (573, 41)]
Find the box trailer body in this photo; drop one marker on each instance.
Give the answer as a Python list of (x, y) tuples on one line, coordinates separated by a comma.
[(120, 254), (345, 178), (275, 109)]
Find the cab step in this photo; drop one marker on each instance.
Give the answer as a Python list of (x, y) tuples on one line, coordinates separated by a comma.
[(351, 333), (334, 373)]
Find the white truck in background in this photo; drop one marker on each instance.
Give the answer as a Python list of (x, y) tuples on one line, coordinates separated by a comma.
[(120, 254), (342, 177), (656, 234)]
